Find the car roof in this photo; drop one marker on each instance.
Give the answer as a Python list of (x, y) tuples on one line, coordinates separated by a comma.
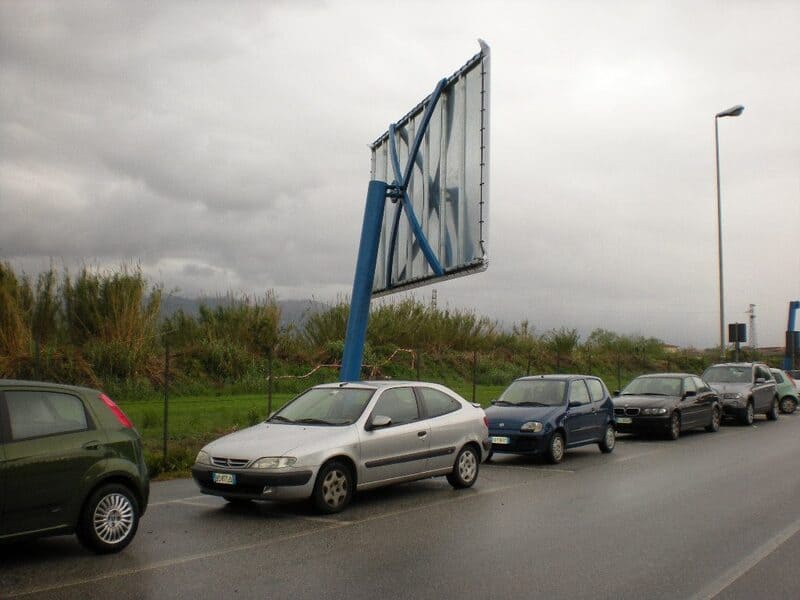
[(21, 383), (375, 383), (736, 364), (557, 377), (667, 375)]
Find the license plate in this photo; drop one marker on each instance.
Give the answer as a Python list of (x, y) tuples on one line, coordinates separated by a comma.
[(499, 439), (226, 478), (624, 420)]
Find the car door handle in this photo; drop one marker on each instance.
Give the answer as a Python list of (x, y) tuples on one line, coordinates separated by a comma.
[(422, 434), (93, 445)]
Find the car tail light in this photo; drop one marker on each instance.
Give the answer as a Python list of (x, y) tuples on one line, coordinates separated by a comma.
[(486, 421), (123, 420)]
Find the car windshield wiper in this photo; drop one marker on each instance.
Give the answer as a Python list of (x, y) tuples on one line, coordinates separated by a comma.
[(530, 403), (503, 402), (312, 421), (280, 418)]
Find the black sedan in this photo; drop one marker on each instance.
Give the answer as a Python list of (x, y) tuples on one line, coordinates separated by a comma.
[(667, 403)]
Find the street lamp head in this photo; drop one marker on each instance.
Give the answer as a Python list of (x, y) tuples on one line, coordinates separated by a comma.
[(733, 111)]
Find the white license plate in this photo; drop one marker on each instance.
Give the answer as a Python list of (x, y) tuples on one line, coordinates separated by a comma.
[(624, 420), (500, 439), (226, 478)]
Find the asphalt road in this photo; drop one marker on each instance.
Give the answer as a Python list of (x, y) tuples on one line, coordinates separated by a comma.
[(709, 516)]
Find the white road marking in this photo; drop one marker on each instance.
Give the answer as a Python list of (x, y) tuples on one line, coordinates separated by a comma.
[(175, 501), (729, 577), (635, 456)]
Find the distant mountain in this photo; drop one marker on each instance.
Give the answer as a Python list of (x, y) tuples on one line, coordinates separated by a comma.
[(293, 312)]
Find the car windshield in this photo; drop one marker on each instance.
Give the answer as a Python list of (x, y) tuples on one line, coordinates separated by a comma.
[(534, 392), (653, 386), (727, 374), (325, 406)]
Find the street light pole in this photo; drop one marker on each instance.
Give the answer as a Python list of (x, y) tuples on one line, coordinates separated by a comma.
[(734, 111)]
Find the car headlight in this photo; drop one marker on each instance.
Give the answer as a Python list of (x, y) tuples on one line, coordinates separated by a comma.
[(732, 396), (532, 427), (273, 462), (654, 411), (203, 458)]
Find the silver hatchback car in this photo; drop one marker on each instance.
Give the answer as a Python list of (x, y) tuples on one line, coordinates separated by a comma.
[(334, 439)]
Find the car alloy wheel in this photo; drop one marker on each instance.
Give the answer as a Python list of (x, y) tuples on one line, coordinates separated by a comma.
[(749, 414), (465, 469), (716, 420), (113, 518), (788, 405), (609, 440), (674, 426), (109, 519), (556, 453), (334, 487)]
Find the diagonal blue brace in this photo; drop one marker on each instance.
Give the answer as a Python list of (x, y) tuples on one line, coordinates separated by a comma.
[(401, 183)]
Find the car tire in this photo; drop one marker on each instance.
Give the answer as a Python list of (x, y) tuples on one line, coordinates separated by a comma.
[(465, 468), (333, 489), (674, 427), (747, 416), (109, 519), (772, 413), (609, 440), (555, 449), (716, 419), (788, 405)]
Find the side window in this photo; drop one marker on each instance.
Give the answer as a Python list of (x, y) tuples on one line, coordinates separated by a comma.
[(778, 376), (701, 385), (578, 392), (399, 404), (437, 403), (596, 389), (689, 385), (36, 414)]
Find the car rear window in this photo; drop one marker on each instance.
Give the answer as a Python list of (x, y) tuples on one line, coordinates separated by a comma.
[(36, 414), (437, 403)]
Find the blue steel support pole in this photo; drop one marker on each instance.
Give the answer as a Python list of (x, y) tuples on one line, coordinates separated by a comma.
[(362, 282)]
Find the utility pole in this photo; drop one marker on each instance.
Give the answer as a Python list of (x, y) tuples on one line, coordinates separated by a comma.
[(752, 312)]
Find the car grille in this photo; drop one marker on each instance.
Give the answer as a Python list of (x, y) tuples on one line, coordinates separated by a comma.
[(626, 411), (232, 463)]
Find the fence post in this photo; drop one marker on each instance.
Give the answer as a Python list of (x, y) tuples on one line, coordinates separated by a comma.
[(619, 371), (528, 370), (166, 397), (474, 372), (37, 361), (419, 360), (269, 383)]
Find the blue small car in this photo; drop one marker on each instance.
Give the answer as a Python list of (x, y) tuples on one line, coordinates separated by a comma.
[(546, 414)]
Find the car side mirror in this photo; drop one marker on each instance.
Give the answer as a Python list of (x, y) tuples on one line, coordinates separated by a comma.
[(573, 404), (379, 421), (689, 394), (616, 392), (493, 400), (760, 380)]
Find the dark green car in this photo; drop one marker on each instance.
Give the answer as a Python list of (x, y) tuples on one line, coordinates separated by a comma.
[(70, 462)]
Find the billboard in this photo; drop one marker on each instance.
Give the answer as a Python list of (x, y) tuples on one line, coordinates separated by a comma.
[(439, 229)]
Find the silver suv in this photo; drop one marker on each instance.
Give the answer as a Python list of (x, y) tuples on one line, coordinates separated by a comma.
[(744, 389)]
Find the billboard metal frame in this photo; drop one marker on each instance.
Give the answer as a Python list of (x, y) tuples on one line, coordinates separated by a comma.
[(397, 191)]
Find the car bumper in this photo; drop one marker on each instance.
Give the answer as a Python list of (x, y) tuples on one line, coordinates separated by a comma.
[(732, 407), (642, 424), (256, 485), (518, 443)]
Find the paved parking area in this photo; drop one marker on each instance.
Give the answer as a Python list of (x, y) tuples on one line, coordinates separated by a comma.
[(711, 515)]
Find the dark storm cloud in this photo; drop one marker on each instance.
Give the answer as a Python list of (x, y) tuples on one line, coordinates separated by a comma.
[(224, 147)]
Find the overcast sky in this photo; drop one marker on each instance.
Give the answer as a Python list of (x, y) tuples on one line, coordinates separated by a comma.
[(224, 146)]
